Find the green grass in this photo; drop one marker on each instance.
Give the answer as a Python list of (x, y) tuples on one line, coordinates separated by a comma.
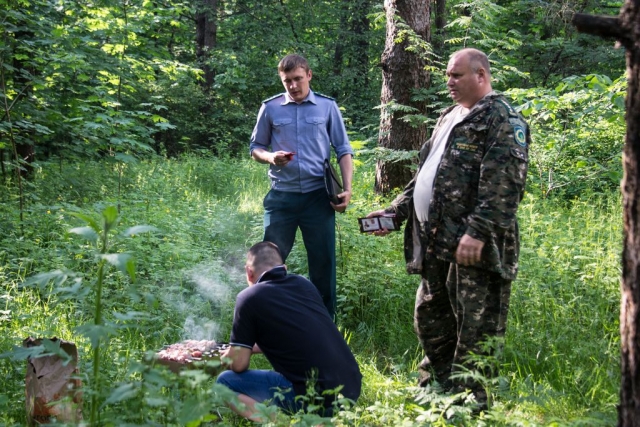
[(561, 353)]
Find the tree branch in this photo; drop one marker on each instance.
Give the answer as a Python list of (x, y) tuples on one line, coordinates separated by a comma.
[(603, 26)]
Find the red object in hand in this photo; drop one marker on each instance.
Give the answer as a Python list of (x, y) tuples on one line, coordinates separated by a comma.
[(289, 156)]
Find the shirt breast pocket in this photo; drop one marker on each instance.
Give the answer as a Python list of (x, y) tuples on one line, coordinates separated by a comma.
[(316, 126), (280, 126)]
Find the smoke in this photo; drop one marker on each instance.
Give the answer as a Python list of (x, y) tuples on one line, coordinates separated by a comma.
[(215, 285), (215, 282), (201, 329)]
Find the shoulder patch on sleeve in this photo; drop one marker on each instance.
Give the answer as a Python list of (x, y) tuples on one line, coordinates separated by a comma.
[(272, 98), (520, 135), (324, 96)]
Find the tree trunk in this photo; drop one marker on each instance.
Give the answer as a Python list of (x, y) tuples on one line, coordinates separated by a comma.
[(441, 22), (338, 53), (25, 150), (402, 72), (629, 410), (206, 33), (625, 28)]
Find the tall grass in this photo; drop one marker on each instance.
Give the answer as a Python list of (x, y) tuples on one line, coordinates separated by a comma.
[(563, 335), (561, 359)]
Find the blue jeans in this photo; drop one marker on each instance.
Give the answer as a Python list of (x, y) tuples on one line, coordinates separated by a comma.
[(262, 386), (284, 212)]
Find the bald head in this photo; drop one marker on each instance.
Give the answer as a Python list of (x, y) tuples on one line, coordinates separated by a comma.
[(469, 77), (477, 59)]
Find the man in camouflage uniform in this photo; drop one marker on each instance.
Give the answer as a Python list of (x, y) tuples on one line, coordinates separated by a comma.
[(462, 232)]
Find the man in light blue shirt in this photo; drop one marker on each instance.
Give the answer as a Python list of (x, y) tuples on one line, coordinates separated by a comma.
[(294, 134)]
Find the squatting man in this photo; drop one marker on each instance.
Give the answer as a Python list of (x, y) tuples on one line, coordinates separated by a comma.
[(283, 316)]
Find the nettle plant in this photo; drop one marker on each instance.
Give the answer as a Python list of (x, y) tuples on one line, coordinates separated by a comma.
[(143, 393), (69, 285)]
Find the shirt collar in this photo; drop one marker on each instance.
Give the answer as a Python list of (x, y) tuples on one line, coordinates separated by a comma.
[(277, 272), (311, 97), (481, 100)]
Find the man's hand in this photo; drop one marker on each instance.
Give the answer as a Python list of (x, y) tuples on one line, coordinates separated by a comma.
[(382, 232), (346, 197), (236, 358), (469, 250), (346, 169), (277, 158), (281, 158)]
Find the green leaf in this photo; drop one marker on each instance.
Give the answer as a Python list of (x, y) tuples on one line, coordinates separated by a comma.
[(110, 216), (192, 411), (53, 348), (23, 353), (139, 229), (47, 347), (95, 333), (76, 291), (131, 315), (122, 261), (87, 232), (43, 279), (125, 158), (156, 402), (122, 392), (89, 220), (154, 376), (165, 126)]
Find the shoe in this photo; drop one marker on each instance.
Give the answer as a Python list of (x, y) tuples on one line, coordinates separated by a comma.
[(424, 377)]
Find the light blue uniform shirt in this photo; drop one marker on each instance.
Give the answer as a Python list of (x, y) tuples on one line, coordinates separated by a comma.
[(309, 129)]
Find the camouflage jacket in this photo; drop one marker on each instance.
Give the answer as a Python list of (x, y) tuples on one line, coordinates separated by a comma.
[(479, 183)]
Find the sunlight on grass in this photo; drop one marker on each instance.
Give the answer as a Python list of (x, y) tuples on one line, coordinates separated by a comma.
[(561, 360)]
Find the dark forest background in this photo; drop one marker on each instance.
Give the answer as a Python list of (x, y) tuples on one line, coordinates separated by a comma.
[(134, 78)]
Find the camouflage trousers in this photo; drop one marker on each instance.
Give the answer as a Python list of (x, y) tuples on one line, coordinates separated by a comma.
[(457, 308)]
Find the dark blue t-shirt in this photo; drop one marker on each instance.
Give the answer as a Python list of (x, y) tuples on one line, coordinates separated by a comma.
[(284, 314)]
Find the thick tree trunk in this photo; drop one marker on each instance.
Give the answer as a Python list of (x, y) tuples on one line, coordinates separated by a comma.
[(625, 28), (402, 72), (206, 36), (629, 410)]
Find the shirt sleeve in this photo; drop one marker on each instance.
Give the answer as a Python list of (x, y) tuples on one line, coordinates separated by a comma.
[(502, 178), (338, 132), (261, 135), (242, 332)]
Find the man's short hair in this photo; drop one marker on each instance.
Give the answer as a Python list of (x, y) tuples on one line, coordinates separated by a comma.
[(263, 256), (291, 62), (478, 59)]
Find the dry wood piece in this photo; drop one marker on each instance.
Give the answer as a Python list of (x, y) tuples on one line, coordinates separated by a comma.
[(52, 387)]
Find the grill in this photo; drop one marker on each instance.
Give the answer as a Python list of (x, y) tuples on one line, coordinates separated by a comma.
[(192, 354)]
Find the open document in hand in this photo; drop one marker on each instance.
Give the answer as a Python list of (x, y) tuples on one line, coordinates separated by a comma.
[(388, 222)]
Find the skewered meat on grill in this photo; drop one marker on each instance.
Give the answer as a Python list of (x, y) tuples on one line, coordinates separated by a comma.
[(177, 355)]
